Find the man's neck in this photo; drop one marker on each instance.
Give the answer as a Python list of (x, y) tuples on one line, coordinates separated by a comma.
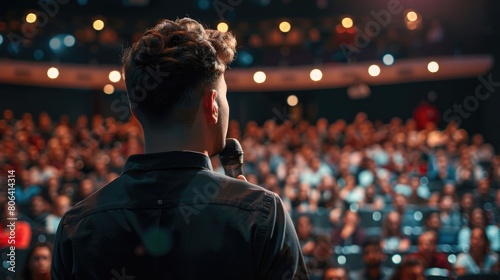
[(174, 139)]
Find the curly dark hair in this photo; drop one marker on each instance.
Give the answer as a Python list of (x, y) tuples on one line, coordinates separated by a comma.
[(169, 68)]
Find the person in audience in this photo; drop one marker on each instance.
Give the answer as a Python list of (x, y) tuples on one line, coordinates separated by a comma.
[(38, 262), (349, 232), (393, 239), (427, 253), (466, 206), (86, 188), (321, 254), (304, 228), (409, 269), (335, 272), (373, 258), (479, 220), (450, 221), (61, 204), (350, 192), (372, 200), (39, 210), (26, 190), (483, 195), (479, 259)]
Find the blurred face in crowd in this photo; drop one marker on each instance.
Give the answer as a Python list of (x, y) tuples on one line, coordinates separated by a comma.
[(86, 187), (399, 201), (373, 255), (427, 243), (433, 222), (478, 242), (467, 201), (61, 205), (477, 218), (335, 274), (449, 189), (40, 261), (303, 191), (351, 218), (304, 227), (414, 272), (38, 205), (483, 187), (394, 223), (446, 204)]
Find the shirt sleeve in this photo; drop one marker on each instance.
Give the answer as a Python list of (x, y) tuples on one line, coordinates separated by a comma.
[(279, 252), (60, 256)]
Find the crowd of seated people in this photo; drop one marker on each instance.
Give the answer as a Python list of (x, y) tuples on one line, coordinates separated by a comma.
[(374, 200)]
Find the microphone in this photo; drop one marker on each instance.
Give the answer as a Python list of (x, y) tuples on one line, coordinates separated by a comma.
[(231, 158)]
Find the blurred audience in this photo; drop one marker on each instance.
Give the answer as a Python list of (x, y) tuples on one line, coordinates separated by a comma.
[(480, 258), (410, 175), (428, 254)]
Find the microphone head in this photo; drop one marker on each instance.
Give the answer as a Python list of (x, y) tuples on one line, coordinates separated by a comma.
[(232, 152)]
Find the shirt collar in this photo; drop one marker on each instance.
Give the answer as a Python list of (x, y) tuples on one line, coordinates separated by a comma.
[(167, 160)]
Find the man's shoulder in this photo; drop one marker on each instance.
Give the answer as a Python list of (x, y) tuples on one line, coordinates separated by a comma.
[(222, 189), (206, 187)]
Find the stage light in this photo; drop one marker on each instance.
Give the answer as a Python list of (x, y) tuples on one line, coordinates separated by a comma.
[(292, 100), (347, 22), (69, 40), (30, 18), (108, 89), (1, 39), (388, 59), (316, 75), (82, 2), (374, 70), (222, 27), (433, 67), (259, 77), (114, 76), (55, 44), (53, 73), (411, 16), (285, 26), (98, 24)]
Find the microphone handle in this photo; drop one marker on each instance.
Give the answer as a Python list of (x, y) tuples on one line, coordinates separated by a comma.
[(233, 170)]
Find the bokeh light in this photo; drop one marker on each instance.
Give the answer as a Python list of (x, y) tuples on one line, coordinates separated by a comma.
[(292, 100), (259, 77), (285, 26), (114, 76), (388, 59), (347, 22), (316, 75), (374, 70), (433, 67), (222, 27), (30, 18), (53, 73), (98, 25), (108, 89)]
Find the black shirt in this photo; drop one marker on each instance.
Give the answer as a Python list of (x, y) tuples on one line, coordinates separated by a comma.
[(169, 216)]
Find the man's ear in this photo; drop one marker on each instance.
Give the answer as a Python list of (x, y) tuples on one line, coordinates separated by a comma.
[(210, 105)]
